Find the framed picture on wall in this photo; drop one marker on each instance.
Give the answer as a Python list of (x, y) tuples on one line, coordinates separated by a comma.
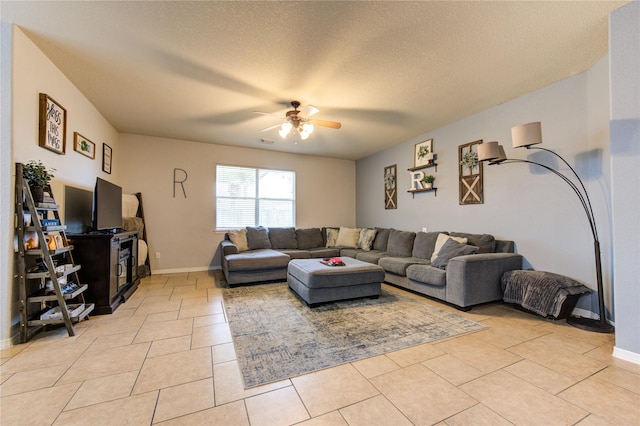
[(423, 153), (106, 158), (83, 145), (52, 126)]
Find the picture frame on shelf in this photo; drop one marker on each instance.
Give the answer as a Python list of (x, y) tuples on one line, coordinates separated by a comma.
[(107, 159), (84, 146), (52, 125), (423, 153)]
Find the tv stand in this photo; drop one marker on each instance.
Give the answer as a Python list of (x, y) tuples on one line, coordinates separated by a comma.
[(109, 265)]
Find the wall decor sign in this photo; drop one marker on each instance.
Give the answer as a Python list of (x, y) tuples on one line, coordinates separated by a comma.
[(106, 158), (390, 187), (423, 153), (52, 131), (83, 145), (470, 173)]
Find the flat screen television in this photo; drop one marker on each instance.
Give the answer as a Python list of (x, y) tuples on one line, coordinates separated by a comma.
[(78, 210), (107, 206)]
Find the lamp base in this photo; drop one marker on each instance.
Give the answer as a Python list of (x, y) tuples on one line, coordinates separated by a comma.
[(591, 324)]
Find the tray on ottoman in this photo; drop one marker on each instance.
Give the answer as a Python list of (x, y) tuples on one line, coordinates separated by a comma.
[(318, 283)]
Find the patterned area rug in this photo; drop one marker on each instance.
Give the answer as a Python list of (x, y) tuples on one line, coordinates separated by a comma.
[(276, 336)]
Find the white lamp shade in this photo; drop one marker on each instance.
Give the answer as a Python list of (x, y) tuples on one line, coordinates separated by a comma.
[(488, 151), (526, 134), (501, 157)]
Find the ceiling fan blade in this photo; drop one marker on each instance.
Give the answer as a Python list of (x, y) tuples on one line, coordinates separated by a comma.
[(270, 127), (323, 123), (308, 111), (269, 113)]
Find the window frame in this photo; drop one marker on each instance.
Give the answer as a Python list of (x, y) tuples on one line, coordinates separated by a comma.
[(257, 199)]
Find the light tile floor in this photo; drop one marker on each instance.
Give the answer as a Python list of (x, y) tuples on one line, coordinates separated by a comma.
[(166, 357)]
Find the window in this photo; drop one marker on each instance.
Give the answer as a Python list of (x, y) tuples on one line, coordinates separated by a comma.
[(247, 196)]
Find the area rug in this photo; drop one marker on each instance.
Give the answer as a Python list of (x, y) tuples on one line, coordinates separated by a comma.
[(277, 336)]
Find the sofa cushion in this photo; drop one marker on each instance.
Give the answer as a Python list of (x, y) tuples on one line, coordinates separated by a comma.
[(442, 238), (283, 238), (239, 238), (427, 274), (486, 243), (425, 244), (400, 243), (451, 249), (296, 254), (332, 236), (382, 238), (258, 238), (321, 252), (348, 237), (372, 256), (257, 260), (367, 236), (399, 265), (309, 238)]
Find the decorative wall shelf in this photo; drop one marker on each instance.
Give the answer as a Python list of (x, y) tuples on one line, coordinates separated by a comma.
[(426, 166), (413, 191)]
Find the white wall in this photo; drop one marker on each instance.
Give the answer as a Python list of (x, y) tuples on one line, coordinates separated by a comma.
[(33, 73), (182, 229), (624, 45), (522, 203)]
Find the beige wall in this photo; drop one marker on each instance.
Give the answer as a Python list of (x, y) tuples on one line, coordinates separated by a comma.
[(32, 73), (182, 229)]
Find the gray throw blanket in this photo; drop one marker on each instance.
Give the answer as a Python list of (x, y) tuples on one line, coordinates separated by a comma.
[(538, 291)]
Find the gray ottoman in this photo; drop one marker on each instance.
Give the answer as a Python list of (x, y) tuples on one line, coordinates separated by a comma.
[(318, 283)]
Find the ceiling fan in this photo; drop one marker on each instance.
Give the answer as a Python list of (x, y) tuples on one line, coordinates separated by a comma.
[(299, 120)]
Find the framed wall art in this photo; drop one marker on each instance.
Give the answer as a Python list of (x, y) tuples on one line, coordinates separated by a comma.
[(470, 174), (390, 187), (423, 153), (106, 158), (52, 127), (84, 146)]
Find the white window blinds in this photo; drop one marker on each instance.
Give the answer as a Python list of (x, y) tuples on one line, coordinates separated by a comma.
[(254, 197)]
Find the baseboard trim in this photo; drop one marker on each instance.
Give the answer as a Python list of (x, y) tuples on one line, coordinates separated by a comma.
[(183, 270), (626, 355)]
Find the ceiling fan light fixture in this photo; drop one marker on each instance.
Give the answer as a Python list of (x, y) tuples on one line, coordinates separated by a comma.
[(285, 129), (307, 127), (304, 135)]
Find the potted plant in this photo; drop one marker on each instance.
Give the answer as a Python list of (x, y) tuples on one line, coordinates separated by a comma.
[(428, 181), (38, 177)]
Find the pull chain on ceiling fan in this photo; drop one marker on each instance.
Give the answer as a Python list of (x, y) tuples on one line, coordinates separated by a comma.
[(300, 122)]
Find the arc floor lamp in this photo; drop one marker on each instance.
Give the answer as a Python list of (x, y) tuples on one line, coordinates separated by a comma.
[(526, 135)]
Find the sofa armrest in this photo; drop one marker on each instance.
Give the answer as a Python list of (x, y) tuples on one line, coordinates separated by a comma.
[(227, 247), (475, 278)]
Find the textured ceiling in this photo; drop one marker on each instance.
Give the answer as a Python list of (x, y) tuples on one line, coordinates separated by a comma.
[(389, 71)]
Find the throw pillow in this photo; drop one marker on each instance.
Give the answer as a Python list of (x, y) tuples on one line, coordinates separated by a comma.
[(283, 238), (239, 238), (401, 243), (348, 237), (332, 236), (486, 243), (451, 249), (442, 238), (309, 238), (258, 238), (365, 242)]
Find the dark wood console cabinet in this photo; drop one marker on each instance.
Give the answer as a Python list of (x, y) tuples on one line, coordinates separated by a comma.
[(109, 266)]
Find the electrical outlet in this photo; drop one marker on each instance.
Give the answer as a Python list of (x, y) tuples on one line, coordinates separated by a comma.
[(157, 255), (424, 229)]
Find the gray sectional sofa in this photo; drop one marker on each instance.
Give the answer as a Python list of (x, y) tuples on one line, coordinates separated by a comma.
[(464, 271)]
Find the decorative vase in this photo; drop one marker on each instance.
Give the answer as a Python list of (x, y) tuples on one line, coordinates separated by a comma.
[(37, 193)]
